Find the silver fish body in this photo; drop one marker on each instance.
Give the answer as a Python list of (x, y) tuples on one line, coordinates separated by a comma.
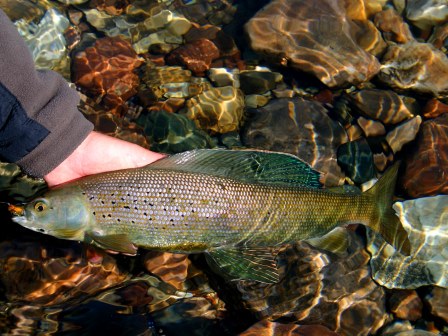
[(226, 203)]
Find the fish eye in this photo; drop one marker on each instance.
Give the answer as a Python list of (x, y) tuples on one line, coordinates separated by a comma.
[(40, 206)]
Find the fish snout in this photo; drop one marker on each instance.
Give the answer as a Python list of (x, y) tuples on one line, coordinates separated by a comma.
[(16, 210)]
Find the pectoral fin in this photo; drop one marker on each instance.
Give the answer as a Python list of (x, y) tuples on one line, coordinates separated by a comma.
[(116, 242), (335, 241), (258, 264)]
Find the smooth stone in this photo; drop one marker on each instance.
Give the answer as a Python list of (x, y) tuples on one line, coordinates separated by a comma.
[(155, 76), (172, 132), (46, 39), (426, 221), (371, 128), (257, 82), (298, 127), (106, 70), (439, 37), (179, 26), (354, 132), (368, 37), (197, 56), (434, 108), (393, 27), (223, 77), (318, 287), (426, 167), (294, 33), (415, 66), (437, 300), (425, 14), (382, 105), (218, 110), (356, 160), (255, 101), (268, 328), (403, 134), (406, 305)]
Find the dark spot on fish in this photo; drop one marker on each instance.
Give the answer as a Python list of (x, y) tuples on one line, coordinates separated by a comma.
[(191, 203), (135, 201), (41, 230), (126, 207), (182, 215), (112, 194), (102, 202), (83, 193), (173, 199), (164, 227), (91, 198), (135, 208), (150, 218), (109, 215), (145, 201), (164, 209), (216, 201), (177, 210), (132, 222), (186, 224), (113, 202), (192, 210), (145, 214), (129, 194), (171, 220), (118, 220), (122, 198), (94, 213), (104, 216), (151, 204)]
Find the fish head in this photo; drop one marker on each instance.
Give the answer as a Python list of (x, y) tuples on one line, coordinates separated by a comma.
[(62, 213)]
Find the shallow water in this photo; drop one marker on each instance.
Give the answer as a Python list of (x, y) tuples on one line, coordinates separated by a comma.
[(287, 81)]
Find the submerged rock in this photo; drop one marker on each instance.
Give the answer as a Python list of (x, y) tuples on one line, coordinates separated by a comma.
[(299, 127), (267, 328), (426, 221), (58, 273), (392, 26), (173, 133), (197, 56), (437, 300), (418, 67), (403, 134), (301, 34), (371, 128), (356, 160), (107, 70), (433, 108), (427, 165), (319, 288), (45, 40), (382, 105), (426, 13), (439, 36), (406, 305), (217, 110)]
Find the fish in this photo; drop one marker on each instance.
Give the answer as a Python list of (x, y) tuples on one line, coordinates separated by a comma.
[(236, 206)]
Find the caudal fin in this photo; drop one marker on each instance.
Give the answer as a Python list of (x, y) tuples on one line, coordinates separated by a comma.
[(384, 219)]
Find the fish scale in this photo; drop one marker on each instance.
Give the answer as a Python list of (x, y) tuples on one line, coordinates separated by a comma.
[(237, 206)]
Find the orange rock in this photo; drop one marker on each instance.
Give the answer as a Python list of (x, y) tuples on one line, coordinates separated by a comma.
[(427, 167), (393, 26), (107, 70), (434, 108), (267, 328), (406, 305), (302, 35), (196, 56)]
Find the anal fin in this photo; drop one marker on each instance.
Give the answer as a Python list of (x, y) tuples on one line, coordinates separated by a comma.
[(335, 241), (243, 263)]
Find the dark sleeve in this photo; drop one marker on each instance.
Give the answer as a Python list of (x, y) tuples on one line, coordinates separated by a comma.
[(40, 125)]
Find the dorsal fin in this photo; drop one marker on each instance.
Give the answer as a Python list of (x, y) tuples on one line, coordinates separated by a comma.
[(253, 166)]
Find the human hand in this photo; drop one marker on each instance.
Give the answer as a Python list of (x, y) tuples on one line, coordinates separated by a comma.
[(99, 153)]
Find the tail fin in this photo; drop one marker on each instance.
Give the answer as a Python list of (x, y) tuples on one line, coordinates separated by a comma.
[(384, 220)]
